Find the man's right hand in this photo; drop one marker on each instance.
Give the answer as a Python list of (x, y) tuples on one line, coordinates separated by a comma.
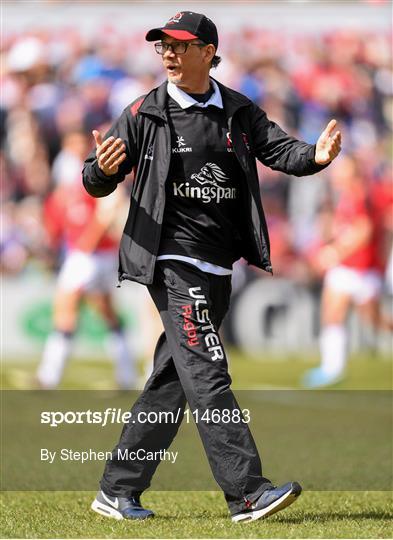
[(110, 153)]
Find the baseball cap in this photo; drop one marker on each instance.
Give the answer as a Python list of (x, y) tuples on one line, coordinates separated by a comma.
[(187, 25)]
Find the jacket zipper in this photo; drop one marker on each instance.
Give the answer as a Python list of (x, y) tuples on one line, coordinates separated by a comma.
[(162, 206), (256, 236)]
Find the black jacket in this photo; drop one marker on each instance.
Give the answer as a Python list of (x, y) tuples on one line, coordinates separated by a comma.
[(144, 128)]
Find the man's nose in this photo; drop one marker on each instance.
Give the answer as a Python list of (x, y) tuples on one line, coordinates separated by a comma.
[(169, 53)]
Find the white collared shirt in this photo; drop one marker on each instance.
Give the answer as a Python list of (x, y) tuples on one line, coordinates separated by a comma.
[(185, 101)]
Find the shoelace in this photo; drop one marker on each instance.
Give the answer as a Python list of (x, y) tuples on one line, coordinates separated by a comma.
[(249, 504)]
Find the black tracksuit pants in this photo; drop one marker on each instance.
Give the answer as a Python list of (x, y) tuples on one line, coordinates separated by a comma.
[(189, 365)]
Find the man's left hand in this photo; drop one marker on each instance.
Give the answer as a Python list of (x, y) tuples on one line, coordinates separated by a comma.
[(328, 145)]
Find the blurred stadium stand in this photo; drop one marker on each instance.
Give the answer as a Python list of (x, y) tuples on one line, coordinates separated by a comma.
[(82, 63)]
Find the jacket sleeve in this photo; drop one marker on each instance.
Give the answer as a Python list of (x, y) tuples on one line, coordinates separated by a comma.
[(95, 181), (279, 151)]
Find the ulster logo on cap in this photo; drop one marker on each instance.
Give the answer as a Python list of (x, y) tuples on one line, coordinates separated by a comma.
[(176, 18)]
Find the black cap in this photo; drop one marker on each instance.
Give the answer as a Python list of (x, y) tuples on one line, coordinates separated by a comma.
[(187, 25)]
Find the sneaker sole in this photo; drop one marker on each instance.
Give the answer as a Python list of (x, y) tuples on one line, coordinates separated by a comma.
[(286, 500), (105, 510)]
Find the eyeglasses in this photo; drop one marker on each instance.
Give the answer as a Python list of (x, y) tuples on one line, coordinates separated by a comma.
[(177, 47)]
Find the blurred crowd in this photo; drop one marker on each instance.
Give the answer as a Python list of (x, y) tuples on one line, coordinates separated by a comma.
[(56, 83)]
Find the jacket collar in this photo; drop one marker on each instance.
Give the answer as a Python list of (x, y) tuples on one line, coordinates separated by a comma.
[(154, 102), (232, 100)]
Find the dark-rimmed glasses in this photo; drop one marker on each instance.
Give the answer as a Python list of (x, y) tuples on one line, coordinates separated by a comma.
[(177, 47)]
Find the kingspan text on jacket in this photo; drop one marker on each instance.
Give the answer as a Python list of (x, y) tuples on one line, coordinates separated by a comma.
[(144, 129)]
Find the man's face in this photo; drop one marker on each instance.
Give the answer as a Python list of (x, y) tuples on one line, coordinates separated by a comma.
[(184, 69)]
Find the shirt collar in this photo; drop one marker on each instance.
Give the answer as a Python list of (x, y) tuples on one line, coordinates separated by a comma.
[(185, 100)]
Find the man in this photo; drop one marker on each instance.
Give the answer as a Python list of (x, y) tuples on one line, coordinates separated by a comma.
[(352, 263), (195, 209), (82, 227)]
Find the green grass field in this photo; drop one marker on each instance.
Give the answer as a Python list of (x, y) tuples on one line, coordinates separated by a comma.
[(365, 372), (197, 515), (317, 514)]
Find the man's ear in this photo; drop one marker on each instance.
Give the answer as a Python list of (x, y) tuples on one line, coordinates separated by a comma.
[(210, 51)]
